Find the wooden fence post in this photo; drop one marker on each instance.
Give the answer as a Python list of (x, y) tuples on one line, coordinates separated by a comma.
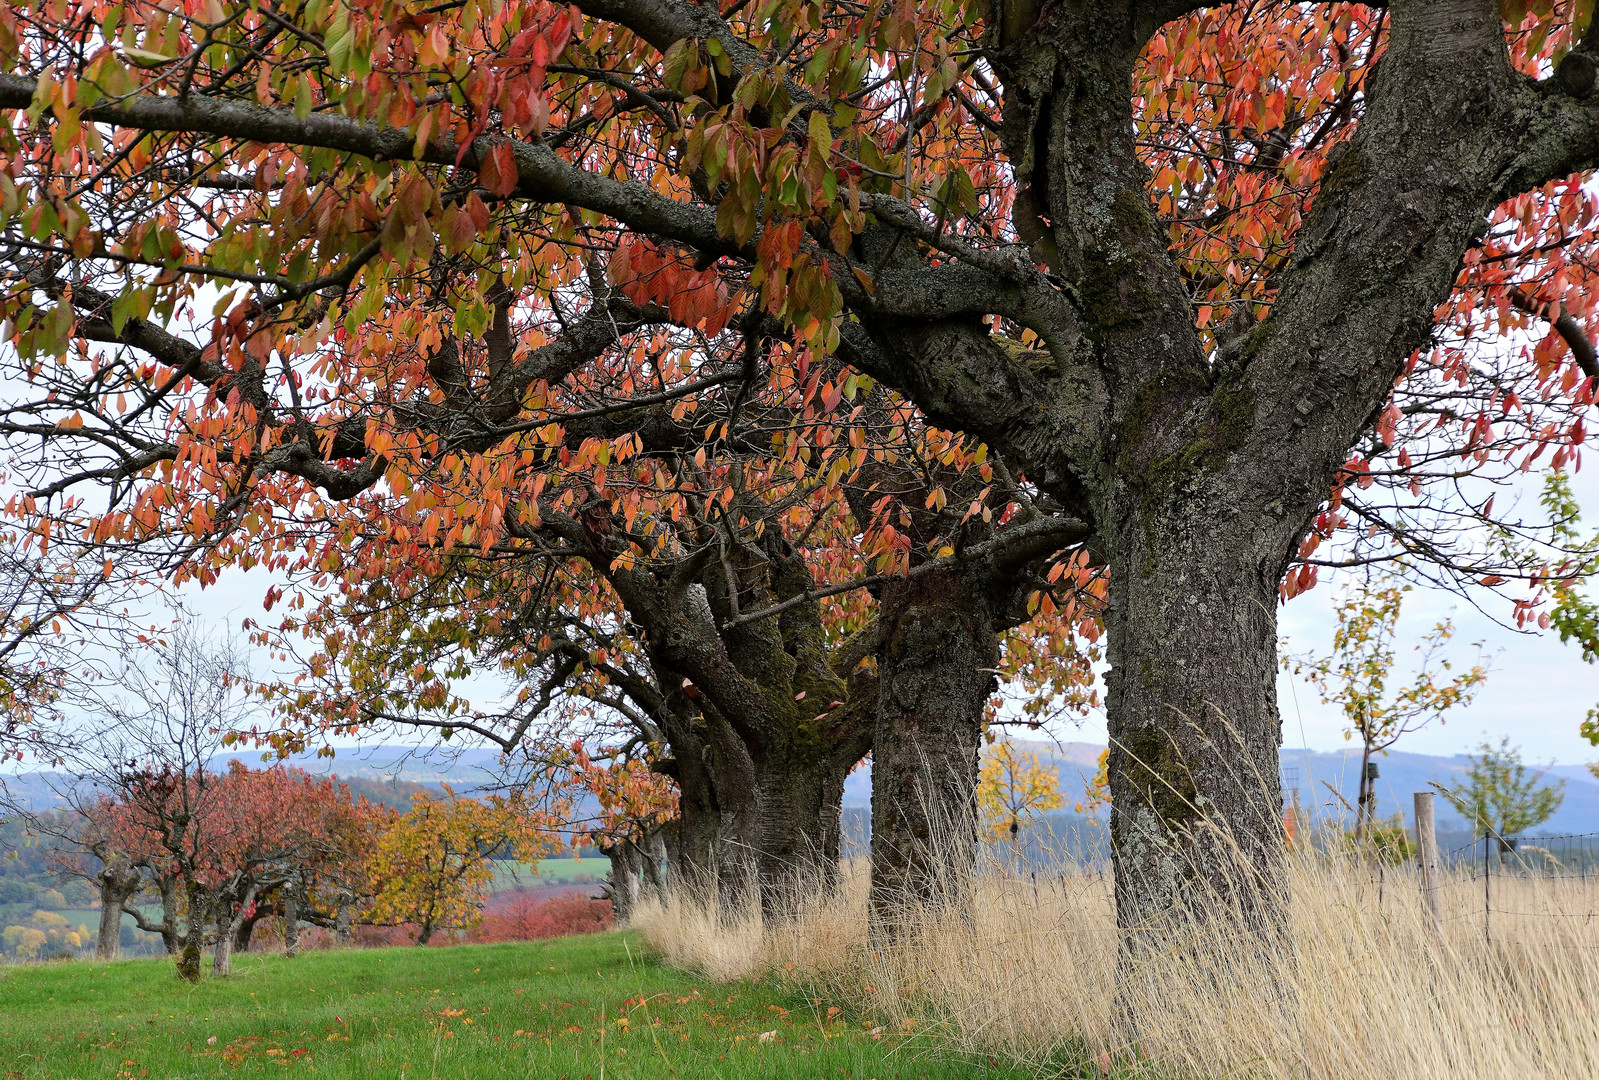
[(1427, 856)]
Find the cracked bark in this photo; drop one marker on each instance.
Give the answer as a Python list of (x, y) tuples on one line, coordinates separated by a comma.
[(935, 674)]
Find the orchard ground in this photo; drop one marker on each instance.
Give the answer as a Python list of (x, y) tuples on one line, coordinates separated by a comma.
[(579, 1008)]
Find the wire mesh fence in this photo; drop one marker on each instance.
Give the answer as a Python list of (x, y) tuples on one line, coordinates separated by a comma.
[(1511, 891), (1515, 885)]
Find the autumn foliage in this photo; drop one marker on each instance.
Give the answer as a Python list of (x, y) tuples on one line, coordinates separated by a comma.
[(1014, 789), (673, 359), (430, 866), (521, 915)]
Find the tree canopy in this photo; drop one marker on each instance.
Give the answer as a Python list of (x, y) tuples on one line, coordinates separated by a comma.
[(1185, 302)]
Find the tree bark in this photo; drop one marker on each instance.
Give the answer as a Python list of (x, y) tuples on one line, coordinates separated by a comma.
[(936, 667), (291, 917), (194, 937), (170, 938), (799, 800), (716, 801), (1191, 700), (341, 919), (625, 872), (118, 883), (656, 866), (230, 925), (1364, 796), (246, 930)]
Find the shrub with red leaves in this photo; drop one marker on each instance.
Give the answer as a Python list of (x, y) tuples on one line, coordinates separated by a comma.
[(523, 916)]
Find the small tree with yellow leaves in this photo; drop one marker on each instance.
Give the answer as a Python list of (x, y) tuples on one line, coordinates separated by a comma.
[(432, 863), (1012, 789), (1096, 793)]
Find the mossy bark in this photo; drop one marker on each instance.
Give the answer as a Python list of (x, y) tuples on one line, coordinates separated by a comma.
[(1194, 728), (194, 938), (935, 674)]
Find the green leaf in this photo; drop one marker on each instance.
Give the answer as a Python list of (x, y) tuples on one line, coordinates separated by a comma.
[(340, 45), (821, 134), (146, 58)]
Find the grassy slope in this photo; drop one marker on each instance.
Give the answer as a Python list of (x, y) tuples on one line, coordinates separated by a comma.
[(508, 875), (534, 1009)]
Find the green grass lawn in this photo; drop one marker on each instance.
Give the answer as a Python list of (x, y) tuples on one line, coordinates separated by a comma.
[(581, 1008), (508, 875)]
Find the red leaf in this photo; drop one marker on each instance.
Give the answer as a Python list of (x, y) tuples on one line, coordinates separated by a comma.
[(498, 171)]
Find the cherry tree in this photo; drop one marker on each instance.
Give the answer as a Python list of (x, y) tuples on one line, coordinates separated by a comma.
[(1224, 283)]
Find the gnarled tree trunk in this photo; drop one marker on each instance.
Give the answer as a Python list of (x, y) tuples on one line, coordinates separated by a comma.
[(936, 664), (118, 883), (716, 800), (799, 800), (1196, 806)]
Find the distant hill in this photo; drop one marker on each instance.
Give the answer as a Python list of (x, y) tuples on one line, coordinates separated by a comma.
[(33, 791), (460, 767), (1313, 772), (36, 791), (1400, 775), (391, 774)]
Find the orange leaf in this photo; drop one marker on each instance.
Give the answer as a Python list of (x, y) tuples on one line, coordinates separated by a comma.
[(498, 171)]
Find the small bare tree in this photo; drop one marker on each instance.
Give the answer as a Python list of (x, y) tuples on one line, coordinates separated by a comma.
[(1355, 677), (135, 766)]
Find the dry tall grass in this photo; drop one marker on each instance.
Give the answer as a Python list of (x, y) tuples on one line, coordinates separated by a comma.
[(1368, 990)]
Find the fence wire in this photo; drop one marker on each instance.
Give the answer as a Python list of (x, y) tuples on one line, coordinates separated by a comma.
[(1525, 877)]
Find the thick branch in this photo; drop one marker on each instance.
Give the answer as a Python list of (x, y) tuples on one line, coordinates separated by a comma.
[(543, 176), (1013, 547)]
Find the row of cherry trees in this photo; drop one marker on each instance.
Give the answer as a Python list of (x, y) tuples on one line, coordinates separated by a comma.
[(756, 385)]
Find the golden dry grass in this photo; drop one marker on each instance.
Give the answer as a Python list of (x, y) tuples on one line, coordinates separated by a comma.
[(1367, 988)]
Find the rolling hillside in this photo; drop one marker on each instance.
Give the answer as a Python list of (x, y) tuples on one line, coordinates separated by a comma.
[(1314, 773), (392, 773)]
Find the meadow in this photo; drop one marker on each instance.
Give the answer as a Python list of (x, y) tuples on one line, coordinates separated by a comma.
[(579, 1008), (1025, 982), (509, 874)]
